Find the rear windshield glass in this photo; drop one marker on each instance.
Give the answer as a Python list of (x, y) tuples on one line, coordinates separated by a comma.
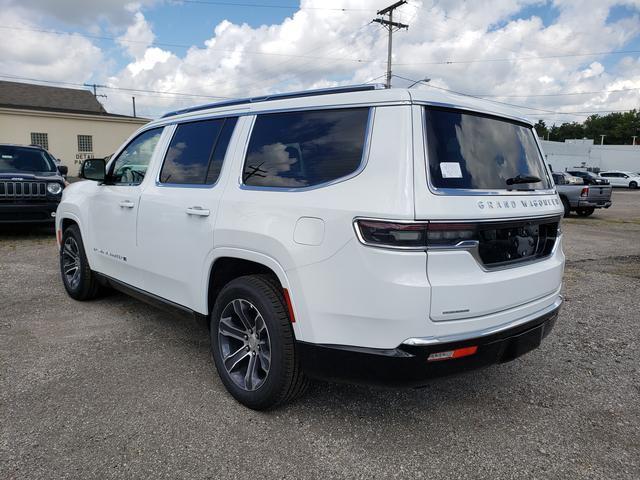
[(477, 152), (21, 159)]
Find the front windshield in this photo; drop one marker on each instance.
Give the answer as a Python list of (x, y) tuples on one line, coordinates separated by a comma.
[(24, 159), (472, 151)]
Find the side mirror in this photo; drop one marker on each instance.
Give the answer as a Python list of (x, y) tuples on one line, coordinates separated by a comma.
[(63, 169), (93, 169)]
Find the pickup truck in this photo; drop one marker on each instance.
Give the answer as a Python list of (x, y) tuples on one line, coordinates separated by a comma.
[(581, 198)]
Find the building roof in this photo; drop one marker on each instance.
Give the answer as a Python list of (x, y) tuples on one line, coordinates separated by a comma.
[(28, 96)]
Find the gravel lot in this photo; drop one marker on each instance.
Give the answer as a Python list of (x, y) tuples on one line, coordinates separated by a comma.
[(117, 389)]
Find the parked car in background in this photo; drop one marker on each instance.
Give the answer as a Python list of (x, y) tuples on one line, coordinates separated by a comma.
[(589, 178), (31, 184), (356, 233), (580, 198), (619, 178)]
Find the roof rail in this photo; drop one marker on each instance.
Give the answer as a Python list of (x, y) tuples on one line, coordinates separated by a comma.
[(278, 96)]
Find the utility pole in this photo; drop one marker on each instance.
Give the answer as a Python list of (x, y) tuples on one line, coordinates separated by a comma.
[(634, 139), (602, 139), (390, 25), (95, 87), (133, 99)]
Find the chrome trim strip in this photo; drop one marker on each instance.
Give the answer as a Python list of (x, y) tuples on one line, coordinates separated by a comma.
[(425, 341), (364, 160)]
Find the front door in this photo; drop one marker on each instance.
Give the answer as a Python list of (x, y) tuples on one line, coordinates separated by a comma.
[(114, 208), (178, 211)]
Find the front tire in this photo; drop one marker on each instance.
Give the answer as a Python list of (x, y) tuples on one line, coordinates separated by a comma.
[(78, 279), (633, 185), (253, 345)]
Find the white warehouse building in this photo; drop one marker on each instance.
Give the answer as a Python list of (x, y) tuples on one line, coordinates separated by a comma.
[(583, 153)]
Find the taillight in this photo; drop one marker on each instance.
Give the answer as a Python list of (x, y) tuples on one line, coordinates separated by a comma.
[(413, 235), (402, 235), (447, 234), (584, 192)]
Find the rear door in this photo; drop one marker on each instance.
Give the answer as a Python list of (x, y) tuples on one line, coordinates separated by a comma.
[(178, 211), (493, 213)]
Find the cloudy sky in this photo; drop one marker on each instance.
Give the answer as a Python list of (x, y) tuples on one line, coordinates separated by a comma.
[(571, 56)]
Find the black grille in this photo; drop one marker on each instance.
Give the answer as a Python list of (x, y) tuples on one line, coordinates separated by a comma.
[(13, 189), (507, 243)]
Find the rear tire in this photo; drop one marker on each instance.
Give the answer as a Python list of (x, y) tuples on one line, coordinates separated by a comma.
[(585, 212), (253, 345), (78, 279), (633, 185), (566, 206)]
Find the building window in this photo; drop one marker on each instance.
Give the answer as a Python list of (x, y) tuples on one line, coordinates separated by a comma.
[(40, 139), (85, 143)]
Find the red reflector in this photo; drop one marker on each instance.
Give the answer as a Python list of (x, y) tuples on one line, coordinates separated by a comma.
[(449, 354), (287, 300), (59, 237)]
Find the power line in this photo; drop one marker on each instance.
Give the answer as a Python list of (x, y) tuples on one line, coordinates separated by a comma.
[(558, 94), (178, 45), (285, 7), (520, 59), (545, 111)]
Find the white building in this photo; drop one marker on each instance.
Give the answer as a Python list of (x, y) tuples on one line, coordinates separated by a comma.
[(583, 153), (69, 123)]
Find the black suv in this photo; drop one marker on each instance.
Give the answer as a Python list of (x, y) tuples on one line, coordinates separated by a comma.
[(31, 184), (589, 178)]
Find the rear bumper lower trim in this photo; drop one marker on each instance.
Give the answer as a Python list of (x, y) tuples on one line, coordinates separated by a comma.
[(408, 365)]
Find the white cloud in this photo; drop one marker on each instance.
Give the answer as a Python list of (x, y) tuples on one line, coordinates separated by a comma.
[(27, 53), (138, 36)]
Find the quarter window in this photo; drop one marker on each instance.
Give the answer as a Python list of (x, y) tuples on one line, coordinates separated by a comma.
[(473, 151), (40, 139), (85, 143), (131, 165), (196, 152), (302, 149)]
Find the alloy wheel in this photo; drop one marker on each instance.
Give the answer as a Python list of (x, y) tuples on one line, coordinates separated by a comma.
[(245, 345), (71, 262)]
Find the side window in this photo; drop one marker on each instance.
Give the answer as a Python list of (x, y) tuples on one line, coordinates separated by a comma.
[(196, 152), (131, 165), (301, 149)]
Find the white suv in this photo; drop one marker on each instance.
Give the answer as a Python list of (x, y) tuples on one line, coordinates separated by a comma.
[(355, 233)]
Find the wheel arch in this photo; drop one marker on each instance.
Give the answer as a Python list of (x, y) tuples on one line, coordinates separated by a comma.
[(230, 263)]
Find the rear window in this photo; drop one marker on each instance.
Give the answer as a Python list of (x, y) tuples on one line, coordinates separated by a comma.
[(469, 151), (302, 149)]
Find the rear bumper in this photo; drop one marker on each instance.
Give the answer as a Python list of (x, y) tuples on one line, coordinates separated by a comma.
[(594, 204), (28, 212), (407, 364)]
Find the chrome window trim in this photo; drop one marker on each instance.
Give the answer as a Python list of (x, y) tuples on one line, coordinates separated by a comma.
[(364, 160), (468, 192), (435, 340)]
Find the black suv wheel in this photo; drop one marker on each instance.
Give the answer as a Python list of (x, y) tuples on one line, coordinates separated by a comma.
[(78, 279), (253, 345)]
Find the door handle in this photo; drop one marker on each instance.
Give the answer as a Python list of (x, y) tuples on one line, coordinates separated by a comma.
[(199, 211), (127, 204)]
